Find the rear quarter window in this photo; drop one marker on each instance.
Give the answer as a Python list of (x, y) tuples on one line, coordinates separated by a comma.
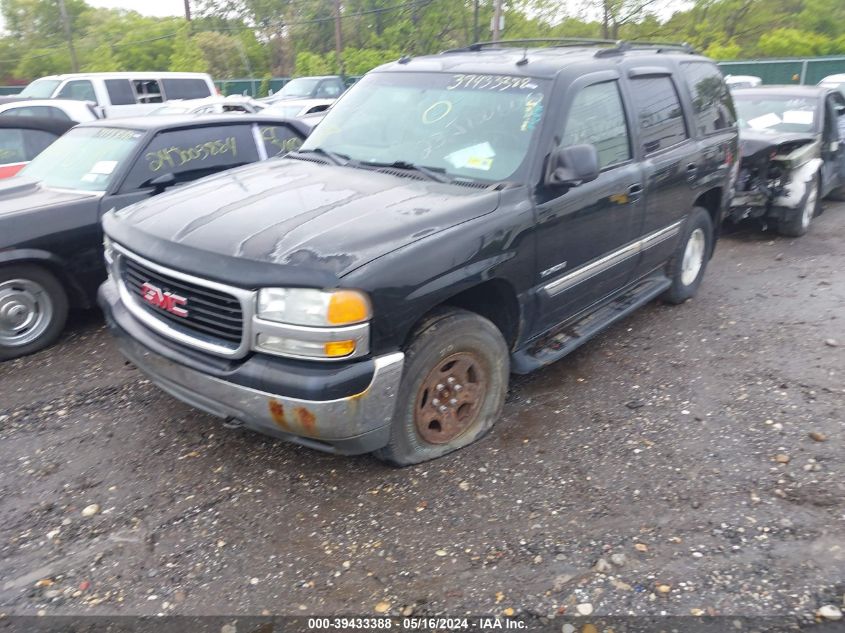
[(713, 107), (279, 139), (194, 153), (185, 88)]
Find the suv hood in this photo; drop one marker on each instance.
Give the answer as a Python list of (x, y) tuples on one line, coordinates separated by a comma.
[(296, 213)]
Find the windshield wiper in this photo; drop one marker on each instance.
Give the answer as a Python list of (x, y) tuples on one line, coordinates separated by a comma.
[(432, 173), (337, 159)]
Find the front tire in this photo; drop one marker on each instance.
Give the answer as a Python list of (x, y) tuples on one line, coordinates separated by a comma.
[(686, 267), (796, 221), (33, 310), (453, 387)]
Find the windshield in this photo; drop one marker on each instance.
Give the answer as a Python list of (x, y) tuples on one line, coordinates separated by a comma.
[(469, 126), (85, 158), (776, 113), (302, 87), (40, 89)]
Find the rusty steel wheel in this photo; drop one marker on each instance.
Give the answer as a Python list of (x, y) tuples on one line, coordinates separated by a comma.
[(450, 398)]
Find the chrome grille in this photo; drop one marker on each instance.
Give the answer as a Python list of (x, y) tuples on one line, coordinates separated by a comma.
[(213, 316)]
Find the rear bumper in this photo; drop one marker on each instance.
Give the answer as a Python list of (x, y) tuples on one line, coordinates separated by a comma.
[(351, 424)]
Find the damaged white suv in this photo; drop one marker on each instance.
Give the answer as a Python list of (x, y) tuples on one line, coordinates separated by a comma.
[(792, 142)]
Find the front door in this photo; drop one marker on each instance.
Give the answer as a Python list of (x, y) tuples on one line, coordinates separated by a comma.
[(585, 233), (833, 142)]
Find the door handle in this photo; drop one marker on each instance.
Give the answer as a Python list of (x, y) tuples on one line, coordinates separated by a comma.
[(635, 190), (692, 170)]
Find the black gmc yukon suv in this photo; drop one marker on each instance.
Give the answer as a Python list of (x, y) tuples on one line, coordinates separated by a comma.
[(453, 219)]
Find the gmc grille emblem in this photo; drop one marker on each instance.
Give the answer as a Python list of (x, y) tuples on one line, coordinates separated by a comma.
[(164, 300)]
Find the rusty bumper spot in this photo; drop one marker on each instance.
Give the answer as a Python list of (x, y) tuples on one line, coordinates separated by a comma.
[(303, 420), (277, 412)]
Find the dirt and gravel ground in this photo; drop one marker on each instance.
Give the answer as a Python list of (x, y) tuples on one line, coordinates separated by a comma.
[(690, 460)]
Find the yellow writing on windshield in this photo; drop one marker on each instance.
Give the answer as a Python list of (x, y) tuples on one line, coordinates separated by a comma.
[(7, 155), (281, 145), (174, 156)]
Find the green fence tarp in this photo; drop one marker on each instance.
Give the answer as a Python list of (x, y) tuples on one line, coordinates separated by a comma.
[(809, 70)]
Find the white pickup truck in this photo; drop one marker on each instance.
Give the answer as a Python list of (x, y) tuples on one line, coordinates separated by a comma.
[(121, 94)]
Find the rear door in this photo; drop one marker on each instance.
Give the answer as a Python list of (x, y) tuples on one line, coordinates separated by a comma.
[(584, 233), (670, 159)]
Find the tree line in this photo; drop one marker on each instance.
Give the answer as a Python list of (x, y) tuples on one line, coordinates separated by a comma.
[(263, 38)]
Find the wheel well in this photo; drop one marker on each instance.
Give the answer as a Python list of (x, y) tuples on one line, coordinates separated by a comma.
[(75, 296), (494, 300), (712, 201)]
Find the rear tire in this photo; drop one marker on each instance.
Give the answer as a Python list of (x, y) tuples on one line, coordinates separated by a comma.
[(33, 310), (687, 265), (796, 221), (453, 387)]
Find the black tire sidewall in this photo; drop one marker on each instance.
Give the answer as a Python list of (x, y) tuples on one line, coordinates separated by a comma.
[(57, 296), (454, 332), (679, 292)]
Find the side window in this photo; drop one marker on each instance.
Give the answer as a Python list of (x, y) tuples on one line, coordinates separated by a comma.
[(78, 90), (194, 153), (12, 148), (185, 89), (120, 92), (36, 141), (329, 89), (279, 139), (598, 118), (839, 109), (148, 91), (711, 100), (661, 117)]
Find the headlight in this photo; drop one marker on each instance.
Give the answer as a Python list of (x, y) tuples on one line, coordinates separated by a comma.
[(311, 323), (306, 306)]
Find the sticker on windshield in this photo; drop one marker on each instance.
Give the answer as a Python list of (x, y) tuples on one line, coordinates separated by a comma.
[(799, 117), (765, 121), (104, 167), (478, 156), (491, 82)]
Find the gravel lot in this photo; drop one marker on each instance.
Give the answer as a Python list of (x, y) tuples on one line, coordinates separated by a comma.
[(687, 461)]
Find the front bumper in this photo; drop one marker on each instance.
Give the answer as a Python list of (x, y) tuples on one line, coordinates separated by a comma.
[(349, 425)]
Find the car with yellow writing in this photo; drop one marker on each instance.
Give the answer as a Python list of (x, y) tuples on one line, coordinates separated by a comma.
[(50, 236)]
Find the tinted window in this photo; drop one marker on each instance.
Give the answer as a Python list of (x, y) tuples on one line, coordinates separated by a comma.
[(279, 139), (17, 146), (120, 92), (148, 91), (43, 111), (660, 115), (78, 90), (711, 100), (191, 154), (598, 118), (185, 88)]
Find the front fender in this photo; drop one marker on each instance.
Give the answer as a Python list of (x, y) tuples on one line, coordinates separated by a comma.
[(796, 188), (52, 262)]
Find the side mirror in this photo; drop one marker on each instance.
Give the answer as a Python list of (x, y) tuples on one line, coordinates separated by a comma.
[(160, 183), (573, 165)]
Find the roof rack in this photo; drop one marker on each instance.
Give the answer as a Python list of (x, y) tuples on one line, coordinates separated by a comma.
[(609, 47)]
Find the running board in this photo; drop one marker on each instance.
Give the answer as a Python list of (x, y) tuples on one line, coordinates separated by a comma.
[(555, 346)]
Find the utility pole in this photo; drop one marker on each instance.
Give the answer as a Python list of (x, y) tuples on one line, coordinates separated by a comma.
[(188, 10), (74, 62), (497, 20), (338, 37), (475, 21)]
